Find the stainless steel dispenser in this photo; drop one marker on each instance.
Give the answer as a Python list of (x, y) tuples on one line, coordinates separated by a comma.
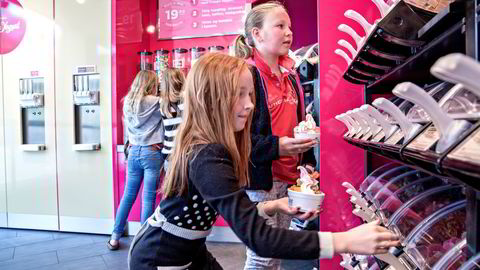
[(86, 100), (32, 113)]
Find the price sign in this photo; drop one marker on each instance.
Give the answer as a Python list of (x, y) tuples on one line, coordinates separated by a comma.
[(199, 18)]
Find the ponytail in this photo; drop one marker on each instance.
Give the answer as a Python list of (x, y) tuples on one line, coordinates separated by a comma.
[(242, 49)]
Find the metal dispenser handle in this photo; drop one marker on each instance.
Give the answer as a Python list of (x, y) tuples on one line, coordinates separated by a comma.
[(352, 14), (382, 7), (344, 55), (388, 129), (458, 68), (346, 44), (359, 120), (345, 122), (387, 106), (372, 126), (417, 95), (352, 122), (449, 129), (347, 29), (361, 214)]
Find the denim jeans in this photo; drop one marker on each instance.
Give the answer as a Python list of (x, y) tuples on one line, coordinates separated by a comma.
[(144, 162), (279, 190)]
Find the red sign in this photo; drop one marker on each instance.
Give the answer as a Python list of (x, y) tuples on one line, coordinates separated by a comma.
[(12, 25), (199, 18)]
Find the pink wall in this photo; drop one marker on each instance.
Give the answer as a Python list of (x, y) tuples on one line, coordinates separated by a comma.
[(339, 161), (130, 19)]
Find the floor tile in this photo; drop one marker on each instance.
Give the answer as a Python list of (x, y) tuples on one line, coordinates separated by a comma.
[(91, 263), (52, 245), (6, 254), (29, 262), (83, 251)]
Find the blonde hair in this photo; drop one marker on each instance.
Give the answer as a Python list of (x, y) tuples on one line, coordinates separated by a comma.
[(211, 91), (145, 83), (255, 19), (171, 94)]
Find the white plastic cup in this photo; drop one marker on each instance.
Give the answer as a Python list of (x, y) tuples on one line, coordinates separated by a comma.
[(304, 135), (305, 201)]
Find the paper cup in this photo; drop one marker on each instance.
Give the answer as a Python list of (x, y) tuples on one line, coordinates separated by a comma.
[(305, 201)]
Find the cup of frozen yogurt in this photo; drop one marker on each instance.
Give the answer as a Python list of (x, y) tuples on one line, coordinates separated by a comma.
[(307, 129), (306, 193)]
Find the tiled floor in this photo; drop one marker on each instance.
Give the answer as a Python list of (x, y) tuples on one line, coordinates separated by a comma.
[(43, 250)]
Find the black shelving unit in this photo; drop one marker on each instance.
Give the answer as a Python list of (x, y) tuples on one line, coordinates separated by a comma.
[(454, 30)]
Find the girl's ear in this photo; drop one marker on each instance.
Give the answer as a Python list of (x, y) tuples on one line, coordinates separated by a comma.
[(256, 35)]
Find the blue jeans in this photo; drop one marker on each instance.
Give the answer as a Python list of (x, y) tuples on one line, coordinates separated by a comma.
[(144, 162)]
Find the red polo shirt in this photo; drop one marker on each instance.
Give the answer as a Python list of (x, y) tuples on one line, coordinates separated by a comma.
[(282, 103)]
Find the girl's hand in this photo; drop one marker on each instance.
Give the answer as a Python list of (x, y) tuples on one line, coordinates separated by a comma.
[(281, 206), (290, 146), (365, 239)]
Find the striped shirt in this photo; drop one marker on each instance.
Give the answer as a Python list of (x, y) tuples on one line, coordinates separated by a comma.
[(171, 124)]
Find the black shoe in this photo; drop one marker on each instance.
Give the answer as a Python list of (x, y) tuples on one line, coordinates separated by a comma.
[(113, 247)]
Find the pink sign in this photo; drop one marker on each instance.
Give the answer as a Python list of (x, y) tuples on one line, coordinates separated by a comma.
[(199, 18), (12, 25)]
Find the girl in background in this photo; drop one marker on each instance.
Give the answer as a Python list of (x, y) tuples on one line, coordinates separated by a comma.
[(279, 108), (171, 108), (206, 178), (141, 113)]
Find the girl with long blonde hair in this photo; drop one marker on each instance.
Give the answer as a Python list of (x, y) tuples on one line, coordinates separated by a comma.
[(209, 169), (143, 120), (171, 107)]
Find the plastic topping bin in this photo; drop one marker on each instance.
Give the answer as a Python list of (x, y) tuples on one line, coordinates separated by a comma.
[(161, 60), (406, 218), (216, 48), (417, 114), (180, 58), (376, 173), (454, 258), (436, 235), (195, 54), (383, 179), (394, 202), (395, 184), (461, 103), (145, 60), (472, 264)]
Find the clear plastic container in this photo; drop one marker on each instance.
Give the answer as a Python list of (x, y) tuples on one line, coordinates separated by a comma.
[(454, 258), (383, 179), (405, 194), (231, 50), (195, 54), (472, 264), (417, 114), (216, 48), (407, 217), (180, 59), (161, 60), (437, 234), (460, 103), (145, 60), (395, 184), (377, 172)]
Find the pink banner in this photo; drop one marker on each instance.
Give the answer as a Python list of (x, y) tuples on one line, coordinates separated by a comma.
[(199, 18)]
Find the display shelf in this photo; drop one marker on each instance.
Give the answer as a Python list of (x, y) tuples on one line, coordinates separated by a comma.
[(464, 172), (417, 68)]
